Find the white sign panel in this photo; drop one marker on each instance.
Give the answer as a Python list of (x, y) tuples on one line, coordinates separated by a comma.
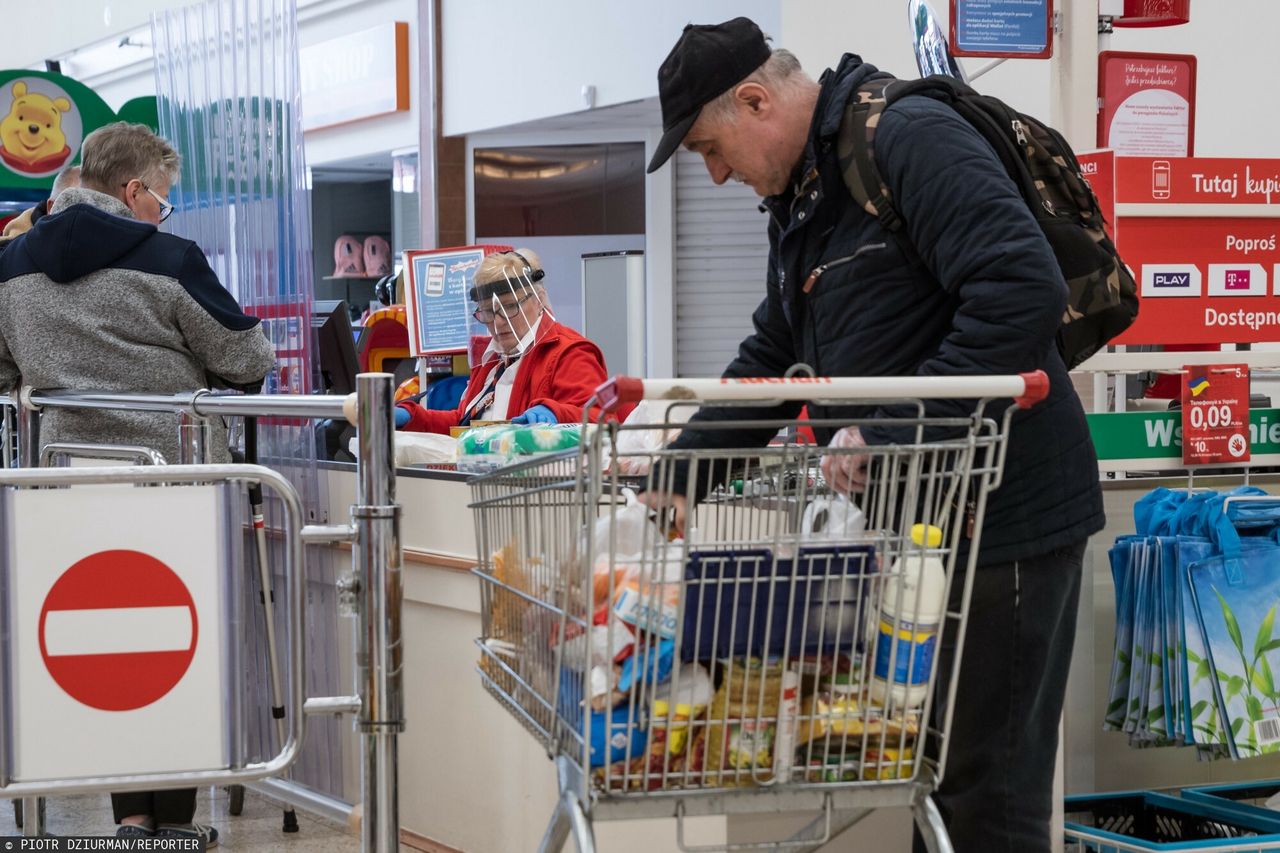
[(360, 75), (117, 613)]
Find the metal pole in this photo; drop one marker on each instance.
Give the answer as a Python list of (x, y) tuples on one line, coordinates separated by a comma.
[(379, 652), (9, 435), (29, 457), (29, 438), (193, 439)]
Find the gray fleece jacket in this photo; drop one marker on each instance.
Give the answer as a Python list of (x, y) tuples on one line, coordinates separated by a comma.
[(93, 299)]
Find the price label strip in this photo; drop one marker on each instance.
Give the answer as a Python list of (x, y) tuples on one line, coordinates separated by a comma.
[(1215, 414)]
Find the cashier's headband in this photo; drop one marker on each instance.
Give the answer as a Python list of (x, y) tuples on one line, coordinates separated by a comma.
[(489, 288)]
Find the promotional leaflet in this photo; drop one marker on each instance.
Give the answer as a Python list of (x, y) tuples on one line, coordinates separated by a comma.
[(1147, 103), (1018, 29)]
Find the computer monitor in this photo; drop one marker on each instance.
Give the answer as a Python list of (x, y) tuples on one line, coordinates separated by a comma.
[(335, 346)]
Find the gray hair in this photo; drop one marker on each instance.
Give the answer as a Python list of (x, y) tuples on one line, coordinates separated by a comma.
[(67, 178), (510, 267), (780, 73), (117, 153)]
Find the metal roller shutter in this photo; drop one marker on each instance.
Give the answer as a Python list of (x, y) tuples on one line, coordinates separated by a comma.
[(722, 250)]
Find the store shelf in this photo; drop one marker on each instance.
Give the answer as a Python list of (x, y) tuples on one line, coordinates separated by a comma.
[(353, 277)]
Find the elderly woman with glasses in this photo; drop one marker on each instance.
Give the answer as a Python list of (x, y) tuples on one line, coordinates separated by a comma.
[(534, 371)]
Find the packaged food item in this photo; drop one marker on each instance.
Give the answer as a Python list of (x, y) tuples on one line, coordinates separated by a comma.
[(652, 661), (607, 641), (649, 599), (615, 733), (678, 733), (837, 714), (742, 724), (616, 737), (888, 763), (689, 684), (788, 719), (485, 448), (508, 613), (652, 774)]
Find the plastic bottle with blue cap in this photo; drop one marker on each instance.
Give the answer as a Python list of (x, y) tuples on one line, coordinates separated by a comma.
[(911, 609)]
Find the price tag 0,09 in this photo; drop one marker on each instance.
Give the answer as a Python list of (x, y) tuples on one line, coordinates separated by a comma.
[(1215, 414)]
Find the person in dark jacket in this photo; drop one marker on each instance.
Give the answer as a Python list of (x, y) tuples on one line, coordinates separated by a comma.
[(968, 286)]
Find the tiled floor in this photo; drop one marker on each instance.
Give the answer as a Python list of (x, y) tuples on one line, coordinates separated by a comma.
[(256, 828)]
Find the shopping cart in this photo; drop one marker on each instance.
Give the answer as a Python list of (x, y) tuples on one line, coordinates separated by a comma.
[(777, 657)]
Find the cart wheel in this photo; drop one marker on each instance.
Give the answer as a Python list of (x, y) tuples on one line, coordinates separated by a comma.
[(237, 799)]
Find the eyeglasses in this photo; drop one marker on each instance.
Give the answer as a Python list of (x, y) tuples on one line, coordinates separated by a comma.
[(165, 207), (487, 315)]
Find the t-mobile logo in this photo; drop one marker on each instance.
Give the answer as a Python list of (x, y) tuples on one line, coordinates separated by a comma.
[(1235, 280)]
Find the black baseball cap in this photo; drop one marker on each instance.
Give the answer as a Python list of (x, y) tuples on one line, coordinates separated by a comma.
[(707, 61)]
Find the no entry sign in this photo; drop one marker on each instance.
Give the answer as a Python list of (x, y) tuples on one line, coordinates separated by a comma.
[(118, 630), (121, 658)]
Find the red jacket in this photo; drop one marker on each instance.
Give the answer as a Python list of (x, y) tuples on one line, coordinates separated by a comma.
[(560, 371)]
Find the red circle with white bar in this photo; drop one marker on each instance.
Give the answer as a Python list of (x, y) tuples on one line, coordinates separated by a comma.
[(118, 630)]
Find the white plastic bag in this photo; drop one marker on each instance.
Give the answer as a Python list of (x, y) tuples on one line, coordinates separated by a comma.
[(836, 518), (418, 448), (634, 446)]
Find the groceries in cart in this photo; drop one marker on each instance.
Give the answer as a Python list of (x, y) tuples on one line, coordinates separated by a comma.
[(752, 715), (767, 722), (635, 447), (487, 448)]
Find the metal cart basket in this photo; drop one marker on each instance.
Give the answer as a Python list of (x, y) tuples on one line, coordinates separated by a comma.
[(772, 646)]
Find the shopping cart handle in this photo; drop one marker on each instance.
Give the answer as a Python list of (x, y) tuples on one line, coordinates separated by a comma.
[(1037, 388), (620, 391), (1026, 389)]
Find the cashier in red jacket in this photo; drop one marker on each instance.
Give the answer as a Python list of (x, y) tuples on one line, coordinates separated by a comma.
[(535, 371)]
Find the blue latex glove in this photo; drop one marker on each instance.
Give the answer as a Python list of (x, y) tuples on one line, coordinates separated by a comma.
[(536, 415), (402, 417)]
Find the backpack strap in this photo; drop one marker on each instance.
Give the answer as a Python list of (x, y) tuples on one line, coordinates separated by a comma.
[(855, 150)]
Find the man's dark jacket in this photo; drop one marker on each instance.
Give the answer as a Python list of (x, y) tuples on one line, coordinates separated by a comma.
[(968, 286)]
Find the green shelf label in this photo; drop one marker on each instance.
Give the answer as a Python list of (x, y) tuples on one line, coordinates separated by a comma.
[(1158, 435)]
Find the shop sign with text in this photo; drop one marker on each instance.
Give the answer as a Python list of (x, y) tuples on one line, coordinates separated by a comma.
[(1154, 439)]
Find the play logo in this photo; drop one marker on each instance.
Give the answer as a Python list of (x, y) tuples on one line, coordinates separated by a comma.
[(1171, 280)]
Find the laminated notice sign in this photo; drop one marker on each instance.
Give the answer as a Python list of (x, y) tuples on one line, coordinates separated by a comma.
[(1215, 413)]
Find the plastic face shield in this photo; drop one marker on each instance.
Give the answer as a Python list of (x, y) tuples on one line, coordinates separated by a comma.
[(511, 307)]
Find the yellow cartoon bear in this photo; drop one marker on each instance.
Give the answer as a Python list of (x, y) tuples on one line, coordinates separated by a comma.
[(31, 134)]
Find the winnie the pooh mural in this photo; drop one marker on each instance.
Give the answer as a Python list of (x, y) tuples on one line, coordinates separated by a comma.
[(31, 134)]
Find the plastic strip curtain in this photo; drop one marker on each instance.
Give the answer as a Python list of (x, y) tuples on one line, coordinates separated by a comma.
[(228, 95)]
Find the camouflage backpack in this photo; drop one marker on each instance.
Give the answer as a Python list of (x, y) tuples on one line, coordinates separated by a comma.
[(1103, 299)]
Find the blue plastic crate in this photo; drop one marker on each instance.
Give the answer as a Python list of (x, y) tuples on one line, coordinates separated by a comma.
[(744, 603), (1242, 798), (1145, 820)]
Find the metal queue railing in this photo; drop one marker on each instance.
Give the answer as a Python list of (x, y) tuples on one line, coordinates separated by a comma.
[(375, 582)]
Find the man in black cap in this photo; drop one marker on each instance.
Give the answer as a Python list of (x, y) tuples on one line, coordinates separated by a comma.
[(967, 285)]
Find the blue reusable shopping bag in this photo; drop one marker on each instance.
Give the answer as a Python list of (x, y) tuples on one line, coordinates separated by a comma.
[(1235, 594)]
